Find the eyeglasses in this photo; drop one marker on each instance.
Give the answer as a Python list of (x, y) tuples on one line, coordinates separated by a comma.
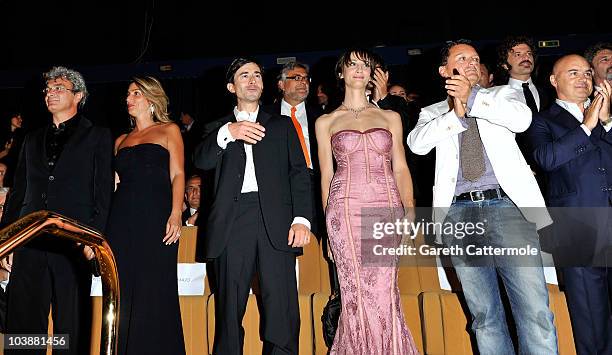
[(56, 89), (298, 78), (192, 189)]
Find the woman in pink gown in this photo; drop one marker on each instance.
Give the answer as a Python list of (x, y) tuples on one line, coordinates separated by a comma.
[(371, 179)]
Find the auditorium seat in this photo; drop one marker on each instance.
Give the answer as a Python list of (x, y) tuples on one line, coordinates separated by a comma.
[(444, 324), (435, 317)]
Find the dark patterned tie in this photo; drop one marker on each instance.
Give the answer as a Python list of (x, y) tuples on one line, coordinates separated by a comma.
[(529, 99), (471, 151)]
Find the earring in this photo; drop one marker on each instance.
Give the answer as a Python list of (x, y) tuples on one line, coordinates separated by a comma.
[(152, 109)]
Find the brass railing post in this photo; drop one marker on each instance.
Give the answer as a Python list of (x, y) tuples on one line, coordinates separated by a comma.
[(47, 222)]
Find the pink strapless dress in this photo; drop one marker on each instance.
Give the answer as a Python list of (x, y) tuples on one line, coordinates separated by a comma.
[(371, 321)]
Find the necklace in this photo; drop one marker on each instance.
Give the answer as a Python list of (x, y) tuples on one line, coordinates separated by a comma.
[(356, 110)]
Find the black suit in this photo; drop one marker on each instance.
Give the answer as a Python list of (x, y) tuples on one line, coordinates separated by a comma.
[(49, 270), (247, 232), (524, 143), (312, 113)]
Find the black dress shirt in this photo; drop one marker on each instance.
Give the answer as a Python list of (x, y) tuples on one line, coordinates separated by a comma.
[(56, 139)]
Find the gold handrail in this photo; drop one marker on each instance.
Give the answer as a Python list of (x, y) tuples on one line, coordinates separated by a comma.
[(28, 227)]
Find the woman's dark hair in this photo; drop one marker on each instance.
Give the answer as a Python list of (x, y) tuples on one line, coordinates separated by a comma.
[(374, 60)]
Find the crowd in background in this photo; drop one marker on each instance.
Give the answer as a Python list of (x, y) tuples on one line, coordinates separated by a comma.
[(515, 63)]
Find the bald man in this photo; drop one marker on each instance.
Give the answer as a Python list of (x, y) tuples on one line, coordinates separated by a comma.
[(573, 146)]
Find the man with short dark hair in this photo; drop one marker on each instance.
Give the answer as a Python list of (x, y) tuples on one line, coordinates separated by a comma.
[(64, 167), (481, 177), (517, 59), (260, 216)]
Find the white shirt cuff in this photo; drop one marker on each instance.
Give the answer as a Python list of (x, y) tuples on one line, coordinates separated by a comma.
[(224, 137), (301, 220), (188, 224), (608, 125), (586, 129)]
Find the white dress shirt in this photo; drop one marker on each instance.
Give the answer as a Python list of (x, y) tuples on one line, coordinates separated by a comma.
[(249, 184), (518, 84), (575, 111), (300, 114), (191, 213)]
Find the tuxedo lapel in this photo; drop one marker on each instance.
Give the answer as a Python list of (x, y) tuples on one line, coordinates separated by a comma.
[(235, 149), (544, 101), (258, 153), (262, 117)]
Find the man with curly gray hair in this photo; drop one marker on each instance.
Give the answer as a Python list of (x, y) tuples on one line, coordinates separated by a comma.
[(599, 56), (64, 167), (72, 76)]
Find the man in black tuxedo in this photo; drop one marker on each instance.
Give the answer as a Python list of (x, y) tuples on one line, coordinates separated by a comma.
[(517, 58), (63, 167), (294, 83), (260, 214)]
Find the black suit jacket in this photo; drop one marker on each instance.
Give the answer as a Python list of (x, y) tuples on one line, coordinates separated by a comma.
[(282, 179), (81, 184), (544, 99), (312, 113)]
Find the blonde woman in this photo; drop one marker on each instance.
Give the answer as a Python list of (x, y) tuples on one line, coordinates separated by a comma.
[(145, 223)]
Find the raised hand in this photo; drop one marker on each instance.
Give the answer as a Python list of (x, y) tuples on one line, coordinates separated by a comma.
[(604, 90), (591, 114), (250, 132), (380, 79), (458, 87)]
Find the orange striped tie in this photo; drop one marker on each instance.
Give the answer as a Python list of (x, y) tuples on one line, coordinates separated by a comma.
[(298, 128)]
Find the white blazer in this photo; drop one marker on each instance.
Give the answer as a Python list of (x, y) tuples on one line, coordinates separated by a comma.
[(500, 114)]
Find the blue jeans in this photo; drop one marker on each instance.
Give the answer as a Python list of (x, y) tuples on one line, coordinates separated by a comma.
[(525, 285)]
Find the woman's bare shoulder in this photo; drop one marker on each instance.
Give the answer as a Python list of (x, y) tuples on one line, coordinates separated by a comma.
[(170, 127)]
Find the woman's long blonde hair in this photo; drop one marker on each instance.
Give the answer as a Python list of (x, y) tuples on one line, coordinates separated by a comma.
[(153, 91)]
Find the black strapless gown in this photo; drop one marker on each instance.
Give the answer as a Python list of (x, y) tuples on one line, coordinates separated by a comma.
[(150, 316)]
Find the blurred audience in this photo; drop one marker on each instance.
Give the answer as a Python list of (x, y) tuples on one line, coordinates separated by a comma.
[(11, 142), (486, 75), (3, 173), (398, 90), (192, 200), (191, 131)]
